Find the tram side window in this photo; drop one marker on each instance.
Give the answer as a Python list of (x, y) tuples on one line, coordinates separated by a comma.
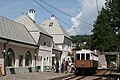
[(78, 56), (82, 56), (87, 56)]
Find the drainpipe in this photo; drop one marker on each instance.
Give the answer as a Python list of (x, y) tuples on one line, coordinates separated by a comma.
[(4, 55), (35, 55)]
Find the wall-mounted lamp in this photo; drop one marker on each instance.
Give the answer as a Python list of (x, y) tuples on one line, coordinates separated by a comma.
[(4, 51), (34, 54)]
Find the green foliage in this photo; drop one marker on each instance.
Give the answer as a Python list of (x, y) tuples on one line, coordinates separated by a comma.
[(104, 32), (105, 27), (113, 6), (82, 41)]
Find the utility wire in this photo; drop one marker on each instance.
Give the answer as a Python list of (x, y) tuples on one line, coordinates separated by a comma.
[(42, 6), (68, 25), (56, 16), (65, 12)]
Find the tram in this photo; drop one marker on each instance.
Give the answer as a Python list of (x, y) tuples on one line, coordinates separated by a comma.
[(86, 61)]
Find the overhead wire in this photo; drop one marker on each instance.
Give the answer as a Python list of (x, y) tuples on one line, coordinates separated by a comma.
[(67, 24), (56, 16), (65, 13)]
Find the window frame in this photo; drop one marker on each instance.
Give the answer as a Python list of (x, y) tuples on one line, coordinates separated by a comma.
[(10, 55), (77, 58), (29, 61), (82, 57), (88, 56)]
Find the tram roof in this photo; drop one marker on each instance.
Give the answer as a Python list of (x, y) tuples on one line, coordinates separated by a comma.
[(85, 51)]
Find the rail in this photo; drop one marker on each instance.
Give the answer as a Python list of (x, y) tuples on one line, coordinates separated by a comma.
[(100, 74)]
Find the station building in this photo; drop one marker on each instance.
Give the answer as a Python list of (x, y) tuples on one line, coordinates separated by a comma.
[(28, 47), (41, 37), (60, 36), (17, 47)]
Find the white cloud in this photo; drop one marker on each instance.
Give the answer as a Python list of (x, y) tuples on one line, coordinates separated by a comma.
[(69, 10), (87, 14)]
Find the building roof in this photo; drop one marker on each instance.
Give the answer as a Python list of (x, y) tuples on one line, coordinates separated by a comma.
[(34, 29), (55, 47), (14, 31), (54, 28)]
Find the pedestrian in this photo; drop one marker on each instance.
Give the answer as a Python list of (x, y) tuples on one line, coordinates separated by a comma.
[(66, 66), (53, 67), (69, 66), (62, 66), (72, 68), (57, 67)]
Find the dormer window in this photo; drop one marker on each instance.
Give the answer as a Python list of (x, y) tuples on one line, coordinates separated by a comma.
[(51, 23), (45, 44)]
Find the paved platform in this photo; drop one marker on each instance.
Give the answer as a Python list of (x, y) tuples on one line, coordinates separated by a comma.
[(36, 76)]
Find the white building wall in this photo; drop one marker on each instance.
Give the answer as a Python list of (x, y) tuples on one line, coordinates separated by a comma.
[(67, 45), (58, 39), (60, 46), (67, 49), (22, 51), (45, 51), (18, 49)]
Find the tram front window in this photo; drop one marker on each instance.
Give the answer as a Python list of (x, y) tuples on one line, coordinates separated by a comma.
[(78, 56), (83, 56), (87, 56)]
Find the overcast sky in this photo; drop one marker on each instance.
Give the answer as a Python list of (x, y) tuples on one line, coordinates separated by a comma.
[(88, 12), (85, 10)]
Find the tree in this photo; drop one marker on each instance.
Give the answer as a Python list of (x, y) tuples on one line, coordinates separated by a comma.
[(104, 37), (82, 41), (113, 6)]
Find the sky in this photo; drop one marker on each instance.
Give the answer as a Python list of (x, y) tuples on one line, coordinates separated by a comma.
[(80, 10)]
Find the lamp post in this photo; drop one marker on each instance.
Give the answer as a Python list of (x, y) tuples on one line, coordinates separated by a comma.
[(119, 50), (4, 56), (119, 58)]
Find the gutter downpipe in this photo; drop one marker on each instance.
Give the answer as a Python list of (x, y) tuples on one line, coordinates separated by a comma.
[(4, 55), (35, 55)]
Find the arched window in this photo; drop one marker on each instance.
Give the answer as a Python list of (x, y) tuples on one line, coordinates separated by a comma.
[(28, 59), (10, 58)]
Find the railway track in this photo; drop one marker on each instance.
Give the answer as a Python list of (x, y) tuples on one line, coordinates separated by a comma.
[(100, 75), (81, 78)]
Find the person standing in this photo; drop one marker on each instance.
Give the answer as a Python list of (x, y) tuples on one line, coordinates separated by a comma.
[(53, 67), (66, 66), (63, 66), (57, 67)]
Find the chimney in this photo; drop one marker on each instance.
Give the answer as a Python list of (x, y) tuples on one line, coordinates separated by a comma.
[(31, 14), (53, 17)]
